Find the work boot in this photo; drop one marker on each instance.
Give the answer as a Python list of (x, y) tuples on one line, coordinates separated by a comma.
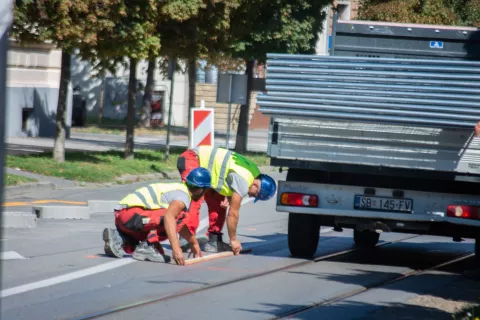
[(185, 245), (216, 244), (113, 243), (149, 252)]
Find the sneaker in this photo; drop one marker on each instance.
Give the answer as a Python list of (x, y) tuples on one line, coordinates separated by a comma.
[(113, 243), (148, 252), (185, 245), (216, 244)]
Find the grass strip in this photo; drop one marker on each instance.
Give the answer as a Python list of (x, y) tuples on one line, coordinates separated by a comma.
[(15, 180), (103, 167)]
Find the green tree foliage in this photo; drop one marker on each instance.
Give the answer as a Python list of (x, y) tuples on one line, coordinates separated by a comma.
[(68, 25), (282, 26), (133, 37), (264, 26), (441, 12), (202, 34)]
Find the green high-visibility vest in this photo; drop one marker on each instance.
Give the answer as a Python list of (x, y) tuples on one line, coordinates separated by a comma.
[(220, 162), (150, 197)]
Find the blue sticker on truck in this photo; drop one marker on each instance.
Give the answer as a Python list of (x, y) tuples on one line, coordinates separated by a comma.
[(436, 44)]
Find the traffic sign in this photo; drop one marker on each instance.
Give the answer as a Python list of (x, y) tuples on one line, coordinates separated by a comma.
[(202, 127)]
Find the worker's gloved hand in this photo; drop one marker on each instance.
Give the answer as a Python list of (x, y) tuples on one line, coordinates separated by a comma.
[(178, 256), (195, 249), (477, 129), (236, 246)]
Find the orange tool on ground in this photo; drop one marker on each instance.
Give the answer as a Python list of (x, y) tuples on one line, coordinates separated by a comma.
[(214, 256)]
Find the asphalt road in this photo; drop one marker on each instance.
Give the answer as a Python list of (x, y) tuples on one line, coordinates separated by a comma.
[(62, 273)]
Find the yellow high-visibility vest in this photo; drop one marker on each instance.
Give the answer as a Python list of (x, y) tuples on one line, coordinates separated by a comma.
[(150, 197), (220, 161)]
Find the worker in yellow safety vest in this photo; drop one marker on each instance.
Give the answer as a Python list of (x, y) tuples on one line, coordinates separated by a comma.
[(234, 177), (154, 213)]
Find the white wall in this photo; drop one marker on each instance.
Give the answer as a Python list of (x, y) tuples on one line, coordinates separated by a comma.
[(90, 87), (33, 79)]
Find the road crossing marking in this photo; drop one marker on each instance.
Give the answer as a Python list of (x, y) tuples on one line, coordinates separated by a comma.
[(11, 255)]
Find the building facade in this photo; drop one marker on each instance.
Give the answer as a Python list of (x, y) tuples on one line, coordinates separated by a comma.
[(33, 78), (347, 10)]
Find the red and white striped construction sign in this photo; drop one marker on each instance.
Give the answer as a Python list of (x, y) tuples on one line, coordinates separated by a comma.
[(201, 127)]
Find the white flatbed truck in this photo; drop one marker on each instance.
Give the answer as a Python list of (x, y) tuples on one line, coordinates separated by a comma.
[(376, 140)]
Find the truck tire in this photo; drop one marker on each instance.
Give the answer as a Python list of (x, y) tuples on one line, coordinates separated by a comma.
[(365, 239), (303, 234)]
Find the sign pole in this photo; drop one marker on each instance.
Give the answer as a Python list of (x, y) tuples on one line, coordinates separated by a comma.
[(231, 89)]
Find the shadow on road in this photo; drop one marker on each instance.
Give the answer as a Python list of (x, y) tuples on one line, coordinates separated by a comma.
[(351, 310), (461, 283)]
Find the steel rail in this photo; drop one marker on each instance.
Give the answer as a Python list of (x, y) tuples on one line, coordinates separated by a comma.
[(180, 294), (372, 286)]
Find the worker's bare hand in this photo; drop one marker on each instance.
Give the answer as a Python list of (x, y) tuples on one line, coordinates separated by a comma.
[(236, 246), (477, 129), (195, 250), (178, 256), (225, 203)]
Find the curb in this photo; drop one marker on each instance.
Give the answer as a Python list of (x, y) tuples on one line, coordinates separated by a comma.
[(18, 220), (101, 206), (61, 212), (146, 177), (31, 185), (29, 220)]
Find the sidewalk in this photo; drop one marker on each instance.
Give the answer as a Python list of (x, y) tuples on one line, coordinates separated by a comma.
[(257, 141)]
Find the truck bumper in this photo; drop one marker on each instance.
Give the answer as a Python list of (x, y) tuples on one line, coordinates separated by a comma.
[(428, 215)]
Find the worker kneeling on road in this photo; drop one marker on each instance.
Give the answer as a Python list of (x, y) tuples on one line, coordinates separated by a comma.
[(154, 213), (233, 177)]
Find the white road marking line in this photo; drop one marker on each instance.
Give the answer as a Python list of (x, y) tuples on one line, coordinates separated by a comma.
[(76, 274), (65, 278), (11, 255)]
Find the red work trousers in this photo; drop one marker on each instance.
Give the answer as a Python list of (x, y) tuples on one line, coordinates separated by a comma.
[(146, 225), (186, 162)]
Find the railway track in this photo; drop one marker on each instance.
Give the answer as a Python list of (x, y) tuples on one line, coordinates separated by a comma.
[(303, 310), (142, 303)]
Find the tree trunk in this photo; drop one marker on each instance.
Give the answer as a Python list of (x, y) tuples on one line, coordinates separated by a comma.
[(60, 122), (242, 130), (102, 97), (192, 80), (147, 96), (132, 92)]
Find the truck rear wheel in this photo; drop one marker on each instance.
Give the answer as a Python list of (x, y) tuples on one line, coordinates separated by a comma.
[(365, 239), (303, 234)]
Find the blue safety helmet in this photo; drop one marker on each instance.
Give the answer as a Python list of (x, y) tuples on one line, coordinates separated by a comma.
[(199, 177), (268, 188)]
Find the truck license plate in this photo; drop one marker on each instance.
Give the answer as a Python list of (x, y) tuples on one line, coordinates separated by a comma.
[(383, 204)]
